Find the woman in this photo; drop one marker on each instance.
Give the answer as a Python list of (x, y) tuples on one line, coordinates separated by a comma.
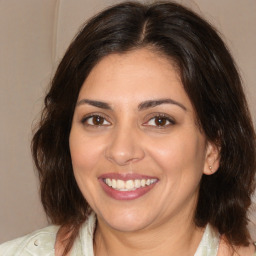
[(145, 145)]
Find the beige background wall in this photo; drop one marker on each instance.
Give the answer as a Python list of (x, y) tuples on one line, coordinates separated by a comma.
[(33, 37)]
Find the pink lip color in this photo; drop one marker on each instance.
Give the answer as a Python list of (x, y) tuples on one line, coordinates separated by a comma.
[(125, 195)]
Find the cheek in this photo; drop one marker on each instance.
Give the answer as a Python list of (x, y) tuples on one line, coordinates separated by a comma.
[(180, 154), (180, 159), (85, 151)]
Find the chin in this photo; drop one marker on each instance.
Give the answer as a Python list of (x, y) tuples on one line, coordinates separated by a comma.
[(127, 222)]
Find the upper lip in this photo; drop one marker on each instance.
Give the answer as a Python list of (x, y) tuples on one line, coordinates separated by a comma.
[(125, 176)]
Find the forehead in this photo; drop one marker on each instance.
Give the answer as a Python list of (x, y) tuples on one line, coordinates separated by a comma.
[(136, 75)]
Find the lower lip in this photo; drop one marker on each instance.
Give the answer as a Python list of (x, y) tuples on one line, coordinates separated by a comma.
[(125, 195)]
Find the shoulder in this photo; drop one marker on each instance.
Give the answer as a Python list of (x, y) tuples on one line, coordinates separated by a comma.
[(225, 249), (84, 240), (40, 242), (246, 250)]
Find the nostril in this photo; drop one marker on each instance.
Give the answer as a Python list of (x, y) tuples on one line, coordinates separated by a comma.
[(122, 157), (124, 147)]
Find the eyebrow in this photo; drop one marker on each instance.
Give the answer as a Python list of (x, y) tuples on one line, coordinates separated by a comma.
[(153, 103), (142, 106), (95, 103)]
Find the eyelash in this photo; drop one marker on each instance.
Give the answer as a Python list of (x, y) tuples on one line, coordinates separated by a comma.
[(164, 118), (86, 118)]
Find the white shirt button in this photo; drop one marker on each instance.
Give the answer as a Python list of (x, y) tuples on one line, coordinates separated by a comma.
[(36, 243)]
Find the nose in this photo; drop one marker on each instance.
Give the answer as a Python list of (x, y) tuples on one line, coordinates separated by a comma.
[(124, 146)]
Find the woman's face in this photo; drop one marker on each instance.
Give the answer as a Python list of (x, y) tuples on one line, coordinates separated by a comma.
[(137, 153)]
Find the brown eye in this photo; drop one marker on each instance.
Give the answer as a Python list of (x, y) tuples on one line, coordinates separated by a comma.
[(160, 121), (95, 120)]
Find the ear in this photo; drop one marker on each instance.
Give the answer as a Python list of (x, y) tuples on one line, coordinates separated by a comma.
[(212, 158)]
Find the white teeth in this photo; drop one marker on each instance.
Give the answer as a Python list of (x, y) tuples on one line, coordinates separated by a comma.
[(137, 183), (109, 182), (148, 182), (113, 183), (120, 184), (128, 185)]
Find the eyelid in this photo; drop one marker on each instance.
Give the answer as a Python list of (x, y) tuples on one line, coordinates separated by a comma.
[(170, 119), (90, 115)]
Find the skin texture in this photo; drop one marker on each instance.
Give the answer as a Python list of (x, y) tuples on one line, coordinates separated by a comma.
[(226, 249), (160, 141)]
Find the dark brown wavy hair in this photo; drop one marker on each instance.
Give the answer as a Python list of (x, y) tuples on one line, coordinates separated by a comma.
[(211, 81)]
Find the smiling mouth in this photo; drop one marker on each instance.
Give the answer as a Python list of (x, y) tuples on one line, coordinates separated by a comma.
[(128, 185)]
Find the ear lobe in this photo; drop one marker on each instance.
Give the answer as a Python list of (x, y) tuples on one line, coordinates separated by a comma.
[(212, 159)]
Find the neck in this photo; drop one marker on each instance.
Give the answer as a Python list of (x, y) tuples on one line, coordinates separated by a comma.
[(171, 238)]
